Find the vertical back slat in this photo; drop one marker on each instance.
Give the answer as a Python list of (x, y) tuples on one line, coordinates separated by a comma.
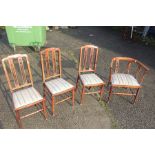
[(85, 57), (29, 70), (137, 71), (47, 63), (13, 71), (22, 69), (42, 66), (7, 75), (91, 59), (128, 67), (96, 57), (54, 61), (80, 60), (59, 63), (117, 66)]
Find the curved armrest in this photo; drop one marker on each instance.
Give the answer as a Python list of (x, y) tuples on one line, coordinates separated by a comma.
[(142, 65), (141, 68)]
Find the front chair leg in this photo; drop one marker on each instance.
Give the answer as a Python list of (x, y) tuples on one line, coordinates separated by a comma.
[(18, 119), (73, 96), (52, 105), (110, 93), (82, 93), (44, 109), (136, 96)]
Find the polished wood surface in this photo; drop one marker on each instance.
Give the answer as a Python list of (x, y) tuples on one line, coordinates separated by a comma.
[(18, 74), (87, 64), (52, 69), (140, 71)]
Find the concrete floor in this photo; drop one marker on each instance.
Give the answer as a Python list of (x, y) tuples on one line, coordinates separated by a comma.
[(119, 113)]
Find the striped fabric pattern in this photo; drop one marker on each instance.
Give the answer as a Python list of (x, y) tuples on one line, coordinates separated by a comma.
[(25, 97), (90, 79), (58, 85), (124, 79)]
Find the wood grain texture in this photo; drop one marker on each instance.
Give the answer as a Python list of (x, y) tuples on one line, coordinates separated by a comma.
[(87, 64), (139, 73), (53, 84), (21, 85)]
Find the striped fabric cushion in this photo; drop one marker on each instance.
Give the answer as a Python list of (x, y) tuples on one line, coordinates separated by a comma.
[(58, 85), (25, 97), (90, 79), (124, 79)]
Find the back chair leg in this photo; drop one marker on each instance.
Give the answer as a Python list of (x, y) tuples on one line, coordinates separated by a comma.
[(110, 93), (101, 92), (18, 119), (77, 83), (82, 93), (136, 96), (109, 83), (44, 109), (52, 105), (73, 96)]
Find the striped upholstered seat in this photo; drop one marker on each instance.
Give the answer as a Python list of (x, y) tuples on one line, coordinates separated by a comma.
[(124, 79), (58, 85), (90, 79), (25, 97)]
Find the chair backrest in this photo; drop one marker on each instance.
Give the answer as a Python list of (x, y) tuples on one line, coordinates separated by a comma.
[(119, 62), (17, 71), (129, 66), (88, 58), (51, 63)]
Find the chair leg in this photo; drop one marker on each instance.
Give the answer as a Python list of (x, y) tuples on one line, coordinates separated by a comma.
[(108, 84), (110, 93), (82, 93), (101, 92), (77, 83), (73, 96), (136, 96), (44, 109), (52, 105), (44, 94), (18, 119)]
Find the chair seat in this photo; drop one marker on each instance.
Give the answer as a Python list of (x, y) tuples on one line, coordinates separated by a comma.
[(124, 79), (25, 97), (58, 85), (90, 79)]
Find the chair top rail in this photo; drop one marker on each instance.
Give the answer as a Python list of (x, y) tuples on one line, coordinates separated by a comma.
[(130, 60)]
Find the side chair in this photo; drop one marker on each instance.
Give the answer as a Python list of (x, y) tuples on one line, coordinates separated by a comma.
[(53, 83), (86, 72), (19, 77)]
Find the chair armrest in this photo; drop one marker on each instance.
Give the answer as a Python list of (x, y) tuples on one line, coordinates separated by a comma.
[(142, 65), (145, 70)]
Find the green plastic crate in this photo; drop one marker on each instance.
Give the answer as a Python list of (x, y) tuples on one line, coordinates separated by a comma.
[(34, 36)]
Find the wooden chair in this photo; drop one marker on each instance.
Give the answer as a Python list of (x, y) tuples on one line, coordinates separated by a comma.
[(53, 83), (86, 71), (126, 73), (18, 74)]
